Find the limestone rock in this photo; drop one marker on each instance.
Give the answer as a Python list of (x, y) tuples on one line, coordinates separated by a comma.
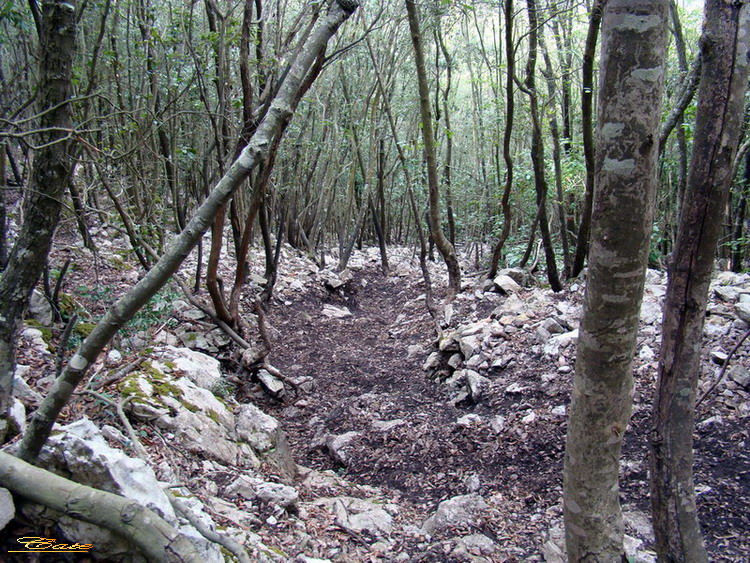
[(464, 510), (507, 284), (339, 447), (7, 508), (80, 453), (740, 375), (333, 312), (40, 310), (252, 488), (561, 341), (201, 369), (271, 383), (360, 515), (742, 310)]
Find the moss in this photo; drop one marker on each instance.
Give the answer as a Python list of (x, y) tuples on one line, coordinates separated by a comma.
[(213, 415), (46, 332), (119, 264), (67, 304), (190, 406), (84, 329), (170, 365)]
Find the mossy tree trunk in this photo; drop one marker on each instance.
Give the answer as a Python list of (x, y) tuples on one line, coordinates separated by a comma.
[(44, 198)]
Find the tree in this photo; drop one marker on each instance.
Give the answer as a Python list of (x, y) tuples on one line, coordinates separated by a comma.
[(724, 45), (272, 126), (629, 112), (443, 244), (49, 178)]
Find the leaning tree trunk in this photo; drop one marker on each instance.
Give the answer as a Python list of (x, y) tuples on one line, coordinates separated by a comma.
[(626, 178), (725, 45), (280, 112), (446, 249), (49, 178)]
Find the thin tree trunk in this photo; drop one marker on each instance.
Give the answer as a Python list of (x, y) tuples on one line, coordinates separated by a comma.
[(49, 178), (631, 90), (587, 134), (725, 44), (497, 251), (537, 152), (444, 246)]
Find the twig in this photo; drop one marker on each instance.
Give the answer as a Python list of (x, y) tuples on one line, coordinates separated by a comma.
[(64, 343), (116, 376), (236, 548), (120, 408), (723, 369)]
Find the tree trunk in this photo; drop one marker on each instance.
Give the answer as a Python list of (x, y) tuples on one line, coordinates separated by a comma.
[(587, 135), (631, 88), (497, 251), (49, 178), (537, 151), (279, 113), (444, 246), (725, 44)]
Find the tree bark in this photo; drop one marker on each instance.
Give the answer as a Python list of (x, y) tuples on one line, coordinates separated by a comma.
[(49, 178), (444, 246), (725, 44), (631, 89), (280, 112)]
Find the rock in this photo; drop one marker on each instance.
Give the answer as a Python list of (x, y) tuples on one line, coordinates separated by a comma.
[(646, 353), (742, 310), (515, 388), (271, 383), (470, 345), (80, 453), (114, 357), (17, 415), (511, 306), (518, 275), (476, 384), (336, 312), (199, 421), (552, 326), (469, 420), (252, 488), (727, 293), (650, 312), (201, 369), (386, 425), (465, 510), (497, 423), (7, 508), (432, 362), (449, 342), (740, 375), (360, 516), (507, 284), (21, 388), (455, 361), (35, 340), (719, 357), (339, 446), (561, 341), (260, 430), (40, 310), (193, 340)]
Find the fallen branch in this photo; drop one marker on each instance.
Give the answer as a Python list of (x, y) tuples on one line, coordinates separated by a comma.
[(723, 369), (154, 536)]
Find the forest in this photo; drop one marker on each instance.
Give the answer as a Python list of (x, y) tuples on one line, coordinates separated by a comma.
[(343, 280)]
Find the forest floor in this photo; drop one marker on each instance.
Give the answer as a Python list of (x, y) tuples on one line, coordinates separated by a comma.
[(368, 368), (412, 443)]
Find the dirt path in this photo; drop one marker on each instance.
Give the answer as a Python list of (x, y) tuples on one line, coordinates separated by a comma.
[(411, 440)]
